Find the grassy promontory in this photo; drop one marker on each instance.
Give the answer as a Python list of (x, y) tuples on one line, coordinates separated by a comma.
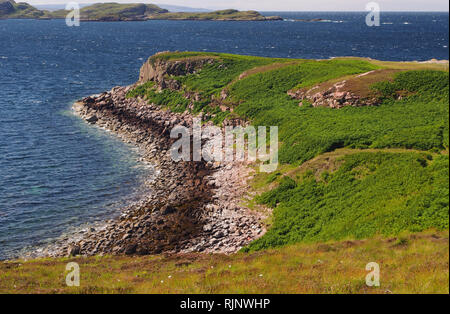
[(363, 170), (358, 181)]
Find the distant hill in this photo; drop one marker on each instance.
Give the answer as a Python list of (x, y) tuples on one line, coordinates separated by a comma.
[(115, 12), (124, 12), (222, 15), (11, 9)]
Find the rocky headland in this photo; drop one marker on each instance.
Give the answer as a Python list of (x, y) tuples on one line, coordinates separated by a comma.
[(196, 206)]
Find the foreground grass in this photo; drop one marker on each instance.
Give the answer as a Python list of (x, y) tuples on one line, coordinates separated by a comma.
[(414, 263)]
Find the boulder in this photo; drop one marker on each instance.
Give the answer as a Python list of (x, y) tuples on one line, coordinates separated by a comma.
[(130, 249), (168, 209), (73, 250), (92, 119)]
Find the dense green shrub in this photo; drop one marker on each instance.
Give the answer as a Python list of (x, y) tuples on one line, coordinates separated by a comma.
[(174, 100), (214, 77), (431, 83), (273, 197), (371, 193)]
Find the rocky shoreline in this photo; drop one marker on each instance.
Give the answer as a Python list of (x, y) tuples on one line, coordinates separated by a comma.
[(193, 207)]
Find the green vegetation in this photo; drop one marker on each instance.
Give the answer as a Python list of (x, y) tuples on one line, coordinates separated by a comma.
[(418, 121), (431, 83), (415, 263), (207, 83), (214, 77), (222, 15), (393, 174), (370, 193)]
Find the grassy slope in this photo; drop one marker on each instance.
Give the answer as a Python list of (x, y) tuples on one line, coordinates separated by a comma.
[(208, 82), (366, 194), (416, 122), (369, 193), (409, 264)]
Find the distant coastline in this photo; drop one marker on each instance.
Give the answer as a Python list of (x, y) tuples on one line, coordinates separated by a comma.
[(115, 12)]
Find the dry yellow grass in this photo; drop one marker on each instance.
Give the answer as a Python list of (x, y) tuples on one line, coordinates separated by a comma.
[(415, 263)]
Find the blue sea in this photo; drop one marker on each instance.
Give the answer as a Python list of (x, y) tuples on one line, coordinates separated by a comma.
[(57, 173)]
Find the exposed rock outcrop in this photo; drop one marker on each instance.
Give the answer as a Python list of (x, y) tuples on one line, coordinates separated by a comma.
[(194, 206), (159, 70), (337, 96)]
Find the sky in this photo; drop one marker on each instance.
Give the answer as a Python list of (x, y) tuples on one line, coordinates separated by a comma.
[(284, 5)]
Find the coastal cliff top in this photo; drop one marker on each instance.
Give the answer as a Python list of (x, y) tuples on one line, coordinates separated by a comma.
[(9, 9)]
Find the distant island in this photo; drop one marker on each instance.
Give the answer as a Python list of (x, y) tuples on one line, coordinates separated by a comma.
[(9, 9)]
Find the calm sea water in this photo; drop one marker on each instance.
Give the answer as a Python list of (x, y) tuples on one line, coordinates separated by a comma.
[(58, 173)]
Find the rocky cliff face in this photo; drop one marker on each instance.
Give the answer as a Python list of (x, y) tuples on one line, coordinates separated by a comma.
[(159, 70)]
